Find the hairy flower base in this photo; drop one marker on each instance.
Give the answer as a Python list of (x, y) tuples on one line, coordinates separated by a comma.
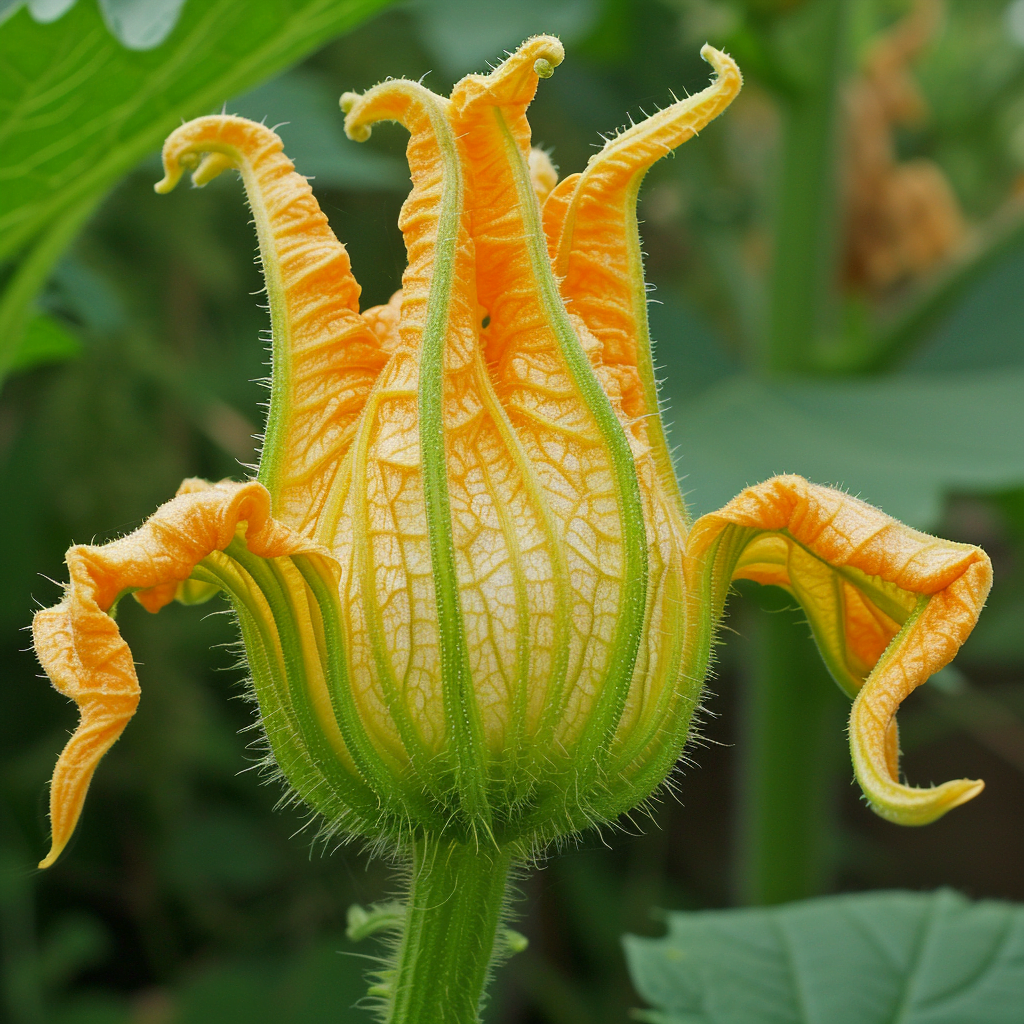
[(474, 609)]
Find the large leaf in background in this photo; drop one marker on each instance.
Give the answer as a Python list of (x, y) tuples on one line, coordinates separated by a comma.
[(78, 110), (138, 24), (985, 329), (900, 442), (869, 958)]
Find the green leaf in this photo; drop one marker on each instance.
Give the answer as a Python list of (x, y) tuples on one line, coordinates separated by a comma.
[(77, 110), (141, 24), (869, 958), (46, 340), (899, 442)]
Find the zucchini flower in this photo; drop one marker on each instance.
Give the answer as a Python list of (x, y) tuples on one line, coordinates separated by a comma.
[(476, 614)]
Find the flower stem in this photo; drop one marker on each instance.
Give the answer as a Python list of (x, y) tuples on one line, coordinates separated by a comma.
[(456, 902)]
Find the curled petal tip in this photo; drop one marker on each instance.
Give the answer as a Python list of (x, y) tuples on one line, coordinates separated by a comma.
[(721, 62), (353, 106), (174, 167), (546, 49), (212, 165), (905, 805), (358, 132)]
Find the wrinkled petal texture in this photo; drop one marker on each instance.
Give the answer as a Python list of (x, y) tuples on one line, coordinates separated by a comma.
[(533, 495), (888, 607), (78, 642), (476, 606), (482, 458)]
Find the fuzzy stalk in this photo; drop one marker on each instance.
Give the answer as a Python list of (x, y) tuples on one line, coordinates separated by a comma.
[(456, 902)]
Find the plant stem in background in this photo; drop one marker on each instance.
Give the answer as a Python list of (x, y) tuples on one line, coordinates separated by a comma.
[(792, 747), (456, 902), (789, 695), (805, 220)]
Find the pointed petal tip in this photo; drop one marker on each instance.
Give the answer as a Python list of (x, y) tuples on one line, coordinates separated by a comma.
[(56, 849)]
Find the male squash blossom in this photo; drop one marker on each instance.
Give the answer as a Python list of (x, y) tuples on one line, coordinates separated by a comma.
[(476, 615)]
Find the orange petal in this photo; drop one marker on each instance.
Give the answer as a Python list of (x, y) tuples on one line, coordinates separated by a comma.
[(542, 174), (594, 242), (486, 508), (78, 642), (563, 408), (325, 358), (921, 593)]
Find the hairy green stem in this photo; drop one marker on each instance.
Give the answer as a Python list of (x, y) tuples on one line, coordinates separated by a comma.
[(457, 898)]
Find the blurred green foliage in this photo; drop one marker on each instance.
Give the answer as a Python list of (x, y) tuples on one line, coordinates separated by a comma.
[(187, 897), (863, 959)]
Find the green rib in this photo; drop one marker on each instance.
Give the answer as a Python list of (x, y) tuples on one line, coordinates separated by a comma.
[(272, 694), (381, 777), (608, 707), (659, 761), (419, 757), (661, 721), (265, 575), (456, 677), (654, 425), (280, 336)]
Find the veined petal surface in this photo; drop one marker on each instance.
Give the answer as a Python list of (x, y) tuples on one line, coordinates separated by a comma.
[(470, 597)]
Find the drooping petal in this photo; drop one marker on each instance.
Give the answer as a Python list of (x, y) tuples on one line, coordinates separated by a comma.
[(325, 357), (888, 607), (594, 240), (78, 642)]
